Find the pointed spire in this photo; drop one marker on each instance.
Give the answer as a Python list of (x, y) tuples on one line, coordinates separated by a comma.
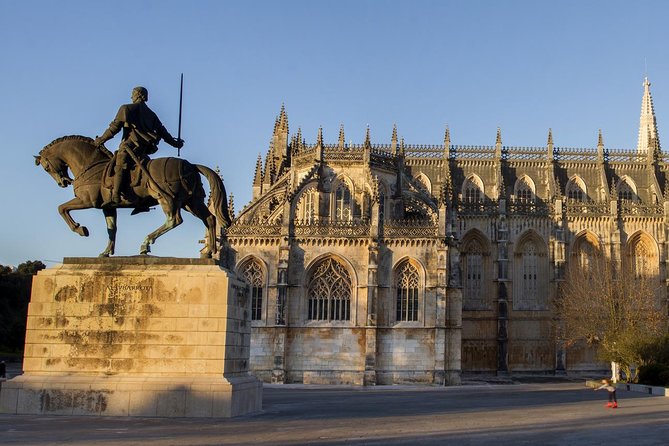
[(393, 141), (342, 141), (368, 140), (282, 121), (299, 140), (257, 178), (401, 153), (320, 147), (231, 205), (550, 153), (498, 144), (648, 136), (600, 147), (447, 143)]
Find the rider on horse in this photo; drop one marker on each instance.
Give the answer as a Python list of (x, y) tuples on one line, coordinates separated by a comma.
[(142, 131)]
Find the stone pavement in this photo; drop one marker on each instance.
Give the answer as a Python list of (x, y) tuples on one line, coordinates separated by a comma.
[(564, 413)]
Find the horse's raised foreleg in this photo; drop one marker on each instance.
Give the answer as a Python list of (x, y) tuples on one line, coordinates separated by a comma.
[(173, 220), (73, 205), (110, 219)]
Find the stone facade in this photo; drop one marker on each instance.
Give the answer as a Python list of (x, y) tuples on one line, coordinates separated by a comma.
[(400, 263)]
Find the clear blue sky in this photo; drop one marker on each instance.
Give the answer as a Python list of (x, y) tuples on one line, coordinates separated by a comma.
[(525, 66)]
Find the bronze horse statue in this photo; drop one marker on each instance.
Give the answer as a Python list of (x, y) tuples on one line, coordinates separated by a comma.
[(175, 185)]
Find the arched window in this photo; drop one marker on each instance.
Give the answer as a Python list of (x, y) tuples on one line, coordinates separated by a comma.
[(474, 298), (530, 267), (329, 292), (254, 276), (342, 203), (531, 274), (407, 282), (586, 253), (525, 190), (625, 191), (306, 207), (642, 259), (576, 190), (472, 190)]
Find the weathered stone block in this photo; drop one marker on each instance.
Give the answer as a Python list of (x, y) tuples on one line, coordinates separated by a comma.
[(136, 337)]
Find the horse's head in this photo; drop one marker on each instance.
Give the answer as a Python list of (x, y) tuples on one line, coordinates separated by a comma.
[(57, 168)]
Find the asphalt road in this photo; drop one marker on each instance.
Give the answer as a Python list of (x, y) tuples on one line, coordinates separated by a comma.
[(510, 414)]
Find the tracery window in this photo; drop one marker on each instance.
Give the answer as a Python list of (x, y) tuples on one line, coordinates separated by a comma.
[(329, 292), (254, 276), (625, 191), (407, 284), (472, 190), (586, 254), (473, 277), (524, 191), (306, 208), (342, 202), (642, 259), (527, 264), (576, 190)]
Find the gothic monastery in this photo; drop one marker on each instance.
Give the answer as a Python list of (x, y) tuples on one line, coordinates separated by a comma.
[(396, 263)]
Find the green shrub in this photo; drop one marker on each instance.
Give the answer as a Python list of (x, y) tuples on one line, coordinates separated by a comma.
[(654, 374)]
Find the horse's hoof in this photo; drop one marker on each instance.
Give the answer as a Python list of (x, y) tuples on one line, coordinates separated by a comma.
[(82, 231)]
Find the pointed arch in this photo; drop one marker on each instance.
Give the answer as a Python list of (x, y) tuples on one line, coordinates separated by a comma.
[(576, 189), (642, 254), (409, 287), (424, 181), (476, 264), (531, 273), (330, 282), (307, 202), (472, 189), (342, 201), (254, 272), (627, 189), (585, 247), (524, 189)]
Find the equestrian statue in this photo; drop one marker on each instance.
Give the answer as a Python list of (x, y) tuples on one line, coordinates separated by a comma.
[(129, 179)]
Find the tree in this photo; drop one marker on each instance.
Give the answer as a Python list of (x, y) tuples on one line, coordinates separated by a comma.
[(617, 309), (15, 287)]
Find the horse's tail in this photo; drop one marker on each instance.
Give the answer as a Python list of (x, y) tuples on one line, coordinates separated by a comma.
[(218, 200)]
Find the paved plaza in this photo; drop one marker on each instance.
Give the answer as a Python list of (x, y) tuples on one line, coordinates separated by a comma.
[(563, 413)]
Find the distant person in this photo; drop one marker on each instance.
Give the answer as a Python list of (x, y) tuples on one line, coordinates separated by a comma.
[(3, 370), (606, 384), (142, 131)]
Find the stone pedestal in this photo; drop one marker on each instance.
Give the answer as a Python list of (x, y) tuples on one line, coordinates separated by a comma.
[(136, 336)]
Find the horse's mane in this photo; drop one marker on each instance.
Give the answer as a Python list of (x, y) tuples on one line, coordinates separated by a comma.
[(68, 138)]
